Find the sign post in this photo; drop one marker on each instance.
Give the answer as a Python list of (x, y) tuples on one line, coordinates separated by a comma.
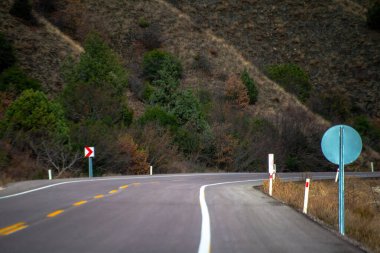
[(89, 152), (341, 145)]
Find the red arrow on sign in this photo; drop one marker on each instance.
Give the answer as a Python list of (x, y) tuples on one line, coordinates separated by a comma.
[(88, 152)]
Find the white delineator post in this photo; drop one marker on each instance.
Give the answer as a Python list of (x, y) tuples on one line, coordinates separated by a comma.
[(151, 170), (337, 175), (372, 167), (271, 171), (50, 175), (306, 199), (270, 184)]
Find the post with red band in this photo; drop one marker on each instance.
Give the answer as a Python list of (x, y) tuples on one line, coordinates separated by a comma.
[(270, 184), (306, 199)]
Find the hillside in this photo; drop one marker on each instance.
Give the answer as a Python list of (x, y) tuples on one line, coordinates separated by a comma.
[(330, 39), (210, 52)]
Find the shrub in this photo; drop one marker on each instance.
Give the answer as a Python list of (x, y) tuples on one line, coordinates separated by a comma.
[(236, 91), (136, 159), (292, 78), (158, 143), (187, 140), (251, 87), (7, 57), (156, 60), (143, 23), (158, 114), (188, 111), (15, 81), (334, 104), (23, 9), (34, 114), (373, 16), (165, 88)]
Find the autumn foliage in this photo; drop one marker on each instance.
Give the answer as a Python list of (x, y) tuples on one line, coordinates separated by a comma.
[(137, 159), (236, 92)]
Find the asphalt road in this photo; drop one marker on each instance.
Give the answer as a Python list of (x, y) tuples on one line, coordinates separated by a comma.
[(157, 214)]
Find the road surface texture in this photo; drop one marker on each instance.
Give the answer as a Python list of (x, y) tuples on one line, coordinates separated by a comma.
[(170, 213)]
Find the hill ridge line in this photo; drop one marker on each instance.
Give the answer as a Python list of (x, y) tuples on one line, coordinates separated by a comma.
[(53, 29), (258, 75)]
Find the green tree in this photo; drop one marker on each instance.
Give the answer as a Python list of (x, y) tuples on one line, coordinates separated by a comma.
[(160, 115), (165, 88), (15, 81), (156, 60), (33, 114), (253, 92), (95, 85), (187, 109), (294, 79), (7, 57), (98, 65)]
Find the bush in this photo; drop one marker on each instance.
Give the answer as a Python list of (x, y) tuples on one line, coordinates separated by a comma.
[(292, 78), (15, 81), (34, 114), (143, 23), (23, 9), (7, 57), (334, 104), (373, 16), (165, 88), (188, 111), (156, 60), (135, 159), (251, 87), (236, 91), (158, 114)]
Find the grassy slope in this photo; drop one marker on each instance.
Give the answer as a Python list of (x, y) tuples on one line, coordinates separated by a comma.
[(330, 39), (39, 50)]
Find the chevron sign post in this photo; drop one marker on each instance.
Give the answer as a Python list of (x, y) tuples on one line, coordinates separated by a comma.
[(89, 152)]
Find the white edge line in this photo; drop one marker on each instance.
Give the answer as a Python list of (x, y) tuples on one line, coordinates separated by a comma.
[(205, 240), (124, 178)]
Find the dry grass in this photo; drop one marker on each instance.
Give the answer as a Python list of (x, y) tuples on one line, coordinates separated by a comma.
[(362, 205)]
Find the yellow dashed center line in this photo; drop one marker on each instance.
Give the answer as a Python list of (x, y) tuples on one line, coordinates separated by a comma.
[(124, 187), (113, 191), (13, 228), (80, 203), (55, 213), (98, 196), (136, 184)]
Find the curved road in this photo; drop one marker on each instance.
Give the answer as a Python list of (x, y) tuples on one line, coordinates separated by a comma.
[(171, 213)]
